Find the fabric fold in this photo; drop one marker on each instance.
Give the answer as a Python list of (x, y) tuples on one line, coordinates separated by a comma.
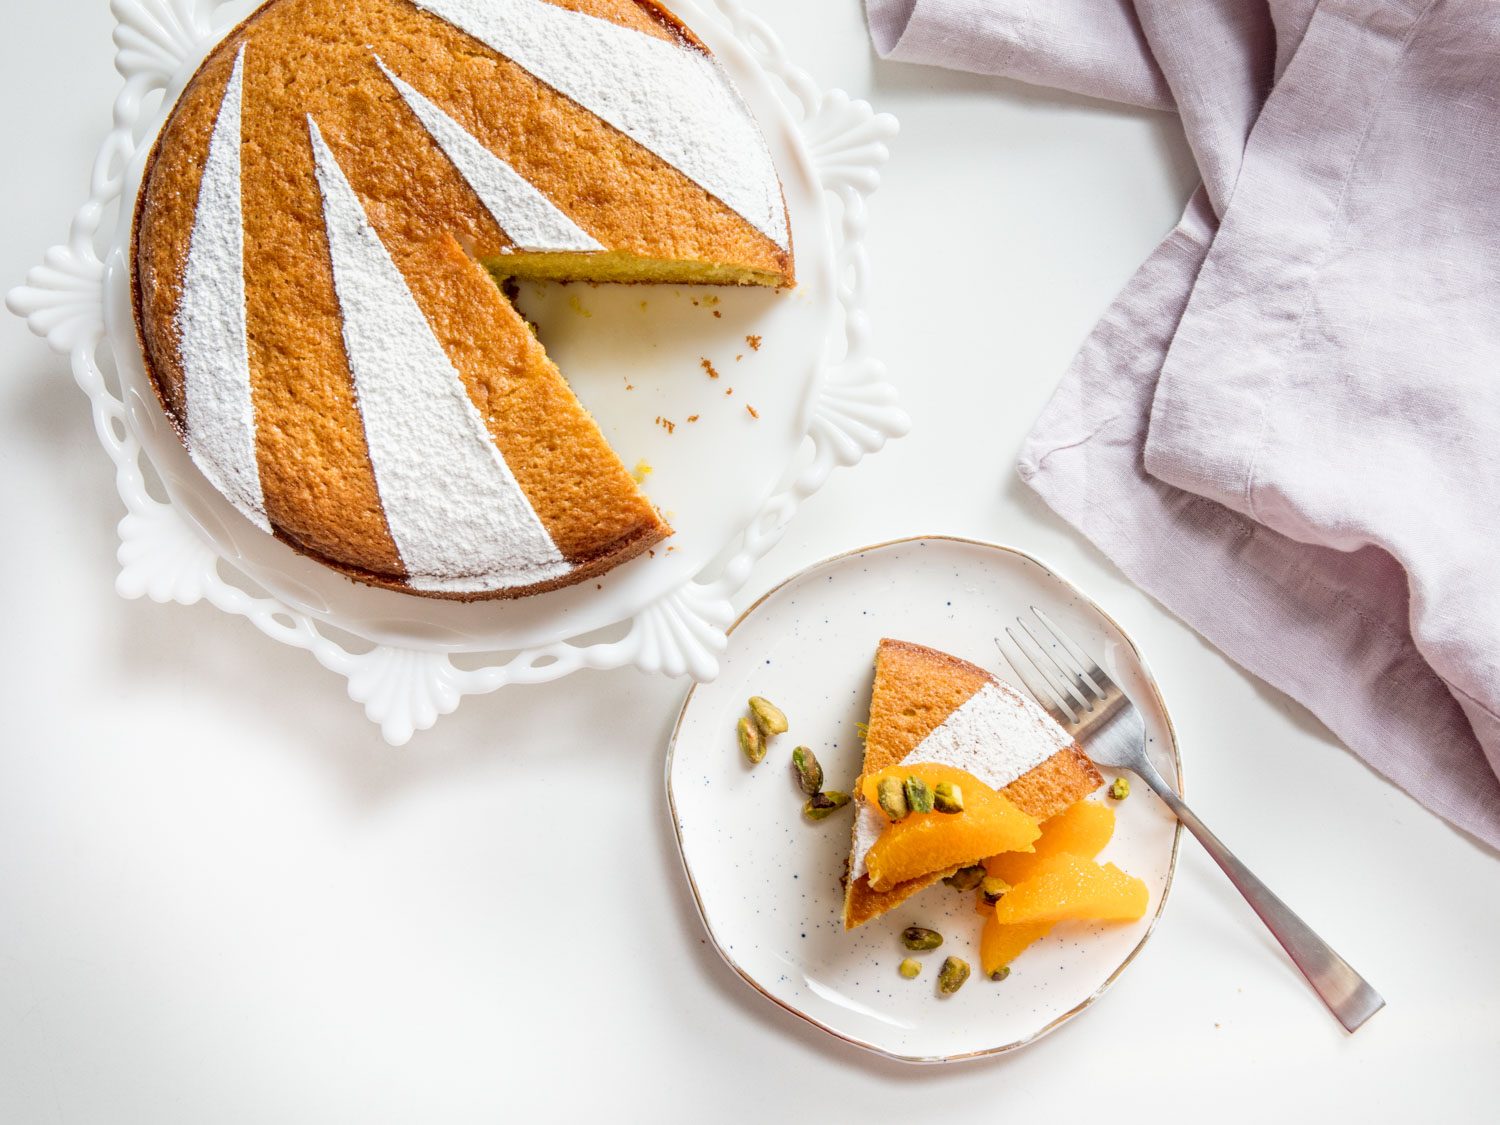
[(1091, 47), (1283, 428)]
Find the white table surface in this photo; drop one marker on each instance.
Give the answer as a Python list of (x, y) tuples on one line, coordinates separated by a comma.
[(224, 899)]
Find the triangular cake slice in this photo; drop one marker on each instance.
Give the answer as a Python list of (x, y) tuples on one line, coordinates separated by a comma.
[(928, 706)]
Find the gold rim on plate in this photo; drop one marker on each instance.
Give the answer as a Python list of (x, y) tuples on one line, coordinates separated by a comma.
[(1057, 1021)]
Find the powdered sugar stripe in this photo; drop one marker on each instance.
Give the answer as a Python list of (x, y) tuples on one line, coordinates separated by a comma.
[(212, 338), (461, 522), (997, 735), (529, 218), (668, 97)]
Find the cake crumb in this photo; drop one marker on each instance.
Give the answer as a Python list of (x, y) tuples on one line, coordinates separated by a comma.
[(671, 549), (754, 342), (642, 470), (717, 313), (713, 372), (692, 417), (666, 423), (738, 358), (577, 306), (651, 552), (730, 391), (753, 412), (711, 300)]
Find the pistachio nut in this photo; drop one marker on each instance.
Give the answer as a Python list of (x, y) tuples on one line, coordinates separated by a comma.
[(919, 939), (770, 718), (892, 797), (992, 887), (952, 975), (947, 798), (751, 742), (1120, 789), (1001, 973), (966, 878), (910, 968), (918, 795), (820, 806), (809, 770)]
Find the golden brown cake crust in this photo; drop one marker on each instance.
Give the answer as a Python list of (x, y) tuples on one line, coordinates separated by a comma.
[(314, 57), (916, 689)]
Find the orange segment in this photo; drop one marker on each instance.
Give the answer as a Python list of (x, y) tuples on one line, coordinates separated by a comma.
[(1000, 944), (1081, 829), (1066, 887), (926, 842)]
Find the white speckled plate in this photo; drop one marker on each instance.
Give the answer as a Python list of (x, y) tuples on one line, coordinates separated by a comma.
[(767, 882)]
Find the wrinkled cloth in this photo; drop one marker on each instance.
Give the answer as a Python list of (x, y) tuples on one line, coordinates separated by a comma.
[(1287, 427)]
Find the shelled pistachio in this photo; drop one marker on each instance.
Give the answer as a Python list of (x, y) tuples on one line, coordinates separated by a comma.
[(751, 742), (820, 806), (952, 975), (809, 770), (947, 798), (919, 939), (918, 795), (770, 718), (892, 797)]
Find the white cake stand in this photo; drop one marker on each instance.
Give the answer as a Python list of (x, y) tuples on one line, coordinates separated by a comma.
[(730, 481)]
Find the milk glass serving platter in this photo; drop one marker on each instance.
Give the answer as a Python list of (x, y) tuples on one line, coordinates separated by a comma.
[(729, 483), (767, 881)]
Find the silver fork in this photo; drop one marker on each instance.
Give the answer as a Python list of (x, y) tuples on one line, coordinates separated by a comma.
[(1088, 705)]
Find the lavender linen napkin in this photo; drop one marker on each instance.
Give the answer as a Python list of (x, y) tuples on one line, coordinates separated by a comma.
[(1287, 427)]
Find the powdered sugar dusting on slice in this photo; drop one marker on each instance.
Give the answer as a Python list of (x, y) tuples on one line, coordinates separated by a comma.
[(212, 339), (461, 522), (996, 734), (669, 97), (529, 218)]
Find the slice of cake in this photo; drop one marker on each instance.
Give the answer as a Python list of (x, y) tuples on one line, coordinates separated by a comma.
[(929, 707), (314, 241)]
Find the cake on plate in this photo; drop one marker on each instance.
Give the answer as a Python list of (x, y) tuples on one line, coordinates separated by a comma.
[(934, 710), (318, 239)]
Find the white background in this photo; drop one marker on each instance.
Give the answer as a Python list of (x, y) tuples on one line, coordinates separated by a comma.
[(224, 899)]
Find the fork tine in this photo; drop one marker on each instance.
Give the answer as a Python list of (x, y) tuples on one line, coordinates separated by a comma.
[(1061, 713), (1055, 679), (1078, 686), (1049, 680), (1087, 665)]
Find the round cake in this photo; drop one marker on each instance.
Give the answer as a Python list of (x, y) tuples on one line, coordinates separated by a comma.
[(319, 240)]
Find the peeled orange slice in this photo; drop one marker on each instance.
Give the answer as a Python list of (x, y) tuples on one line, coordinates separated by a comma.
[(1081, 829), (1070, 888), (1000, 944), (926, 842)]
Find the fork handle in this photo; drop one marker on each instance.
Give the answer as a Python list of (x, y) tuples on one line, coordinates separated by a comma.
[(1348, 995)]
